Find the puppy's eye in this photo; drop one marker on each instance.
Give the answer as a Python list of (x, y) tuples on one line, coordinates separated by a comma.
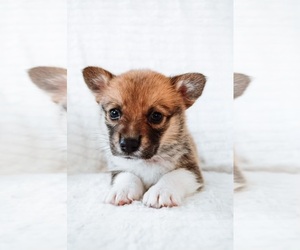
[(155, 117), (114, 114)]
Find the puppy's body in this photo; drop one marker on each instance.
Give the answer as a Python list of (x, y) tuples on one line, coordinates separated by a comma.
[(147, 144)]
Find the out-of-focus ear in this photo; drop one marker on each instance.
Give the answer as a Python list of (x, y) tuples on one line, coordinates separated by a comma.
[(96, 78), (52, 80), (190, 86), (241, 82)]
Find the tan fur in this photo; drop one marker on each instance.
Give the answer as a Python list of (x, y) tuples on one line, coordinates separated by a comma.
[(146, 86), (148, 93)]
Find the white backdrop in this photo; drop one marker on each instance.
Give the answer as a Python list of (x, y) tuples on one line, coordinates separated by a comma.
[(172, 37), (32, 137), (33, 33), (267, 117)]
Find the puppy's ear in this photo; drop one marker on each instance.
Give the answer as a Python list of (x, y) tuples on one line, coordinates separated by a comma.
[(52, 80), (241, 82), (190, 86), (96, 78)]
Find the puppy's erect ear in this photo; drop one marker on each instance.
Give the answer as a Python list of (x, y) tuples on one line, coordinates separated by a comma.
[(52, 80), (190, 86), (96, 78), (241, 82)]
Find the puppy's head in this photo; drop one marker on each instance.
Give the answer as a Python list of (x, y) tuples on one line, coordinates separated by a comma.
[(53, 81), (144, 110)]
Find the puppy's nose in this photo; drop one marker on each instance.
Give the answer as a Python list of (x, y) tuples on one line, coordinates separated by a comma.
[(130, 145)]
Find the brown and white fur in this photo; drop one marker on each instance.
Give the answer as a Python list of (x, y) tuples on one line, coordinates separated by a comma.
[(149, 150), (241, 82)]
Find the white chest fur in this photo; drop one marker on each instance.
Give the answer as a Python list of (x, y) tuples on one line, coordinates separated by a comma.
[(148, 171)]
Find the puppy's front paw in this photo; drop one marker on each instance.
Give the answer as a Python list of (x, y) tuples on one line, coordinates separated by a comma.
[(126, 188), (159, 196), (122, 196)]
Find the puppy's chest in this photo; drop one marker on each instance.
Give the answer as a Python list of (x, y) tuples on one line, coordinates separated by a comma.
[(148, 172)]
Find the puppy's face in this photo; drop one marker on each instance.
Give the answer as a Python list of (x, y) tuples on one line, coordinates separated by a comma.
[(144, 110)]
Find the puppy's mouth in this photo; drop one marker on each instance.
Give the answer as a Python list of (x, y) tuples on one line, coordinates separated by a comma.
[(129, 157), (133, 157), (141, 154), (137, 156)]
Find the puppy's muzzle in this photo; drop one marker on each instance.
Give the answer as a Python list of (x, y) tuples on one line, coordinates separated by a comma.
[(129, 145)]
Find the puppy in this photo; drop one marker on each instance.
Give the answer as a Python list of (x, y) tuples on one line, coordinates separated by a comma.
[(241, 82), (148, 148)]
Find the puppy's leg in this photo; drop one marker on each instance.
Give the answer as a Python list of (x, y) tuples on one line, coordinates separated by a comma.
[(126, 187), (171, 189)]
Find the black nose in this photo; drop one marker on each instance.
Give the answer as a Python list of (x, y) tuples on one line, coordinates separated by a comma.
[(129, 145)]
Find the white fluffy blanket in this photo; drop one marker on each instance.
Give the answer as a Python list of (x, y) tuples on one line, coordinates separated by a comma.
[(267, 213), (33, 210), (204, 221)]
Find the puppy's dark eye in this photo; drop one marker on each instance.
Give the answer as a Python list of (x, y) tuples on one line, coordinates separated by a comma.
[(155, 117), (114, 114)]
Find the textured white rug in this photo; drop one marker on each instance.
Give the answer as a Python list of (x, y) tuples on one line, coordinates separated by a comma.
[(33, 212), (204, 221), (267, 213)]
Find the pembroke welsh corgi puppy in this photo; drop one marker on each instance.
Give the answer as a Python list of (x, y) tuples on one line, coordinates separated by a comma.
[(149, 150), (241, 82)]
